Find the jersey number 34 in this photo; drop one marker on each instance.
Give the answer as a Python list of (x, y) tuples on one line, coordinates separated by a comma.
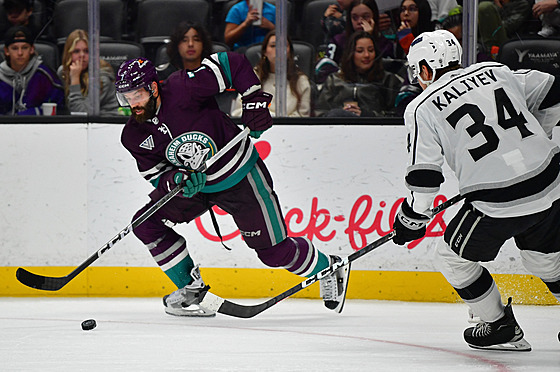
[(503, 105)]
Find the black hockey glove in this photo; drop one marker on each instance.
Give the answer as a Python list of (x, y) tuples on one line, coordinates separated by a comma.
[(255, 112), (194, 181), (409, 225)]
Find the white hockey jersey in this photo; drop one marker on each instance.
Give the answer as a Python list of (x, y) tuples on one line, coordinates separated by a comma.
[(485, 122)]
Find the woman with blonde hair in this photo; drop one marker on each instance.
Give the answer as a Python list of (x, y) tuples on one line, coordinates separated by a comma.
[(74, 74)]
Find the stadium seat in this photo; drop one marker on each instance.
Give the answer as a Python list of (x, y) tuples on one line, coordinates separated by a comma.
[(219, 47), (156, 20), (534, 53), (116, 52), (160, 17), (304, 54), (47, 51), (310, 29), (69, 15)]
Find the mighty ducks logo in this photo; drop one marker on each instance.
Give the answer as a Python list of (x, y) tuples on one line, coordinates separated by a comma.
[(190, 150)]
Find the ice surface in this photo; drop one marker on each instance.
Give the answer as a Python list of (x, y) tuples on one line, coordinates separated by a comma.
[(44, 334)]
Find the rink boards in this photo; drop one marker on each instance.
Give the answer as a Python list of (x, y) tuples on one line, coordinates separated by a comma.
[(68, 188)]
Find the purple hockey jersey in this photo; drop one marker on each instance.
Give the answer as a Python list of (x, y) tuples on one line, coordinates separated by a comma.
[(189, 128)]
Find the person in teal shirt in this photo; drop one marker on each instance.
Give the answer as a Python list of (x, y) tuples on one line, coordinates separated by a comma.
[(241, 30)]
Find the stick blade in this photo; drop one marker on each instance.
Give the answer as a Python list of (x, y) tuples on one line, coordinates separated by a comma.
[(244, 311), (217, 304), (40, 282)]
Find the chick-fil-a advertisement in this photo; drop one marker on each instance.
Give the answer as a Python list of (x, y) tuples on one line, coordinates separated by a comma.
[(339, 185)]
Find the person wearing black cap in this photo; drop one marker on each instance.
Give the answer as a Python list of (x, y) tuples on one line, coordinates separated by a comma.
[(25, 82)]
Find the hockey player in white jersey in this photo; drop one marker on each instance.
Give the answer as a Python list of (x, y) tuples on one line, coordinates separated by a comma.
[(493, 127)]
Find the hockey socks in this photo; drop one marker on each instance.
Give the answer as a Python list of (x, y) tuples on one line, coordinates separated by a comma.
[(180, 272)]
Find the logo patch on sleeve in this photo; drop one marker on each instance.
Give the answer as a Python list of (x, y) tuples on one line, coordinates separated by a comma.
[(190, 150), (148, 143)]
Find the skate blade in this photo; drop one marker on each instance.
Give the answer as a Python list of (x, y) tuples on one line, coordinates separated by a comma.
[(191, 311), (520, 345), (340, 306)]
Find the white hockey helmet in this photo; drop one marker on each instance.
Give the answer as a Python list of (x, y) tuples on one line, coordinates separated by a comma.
[(438, 48)]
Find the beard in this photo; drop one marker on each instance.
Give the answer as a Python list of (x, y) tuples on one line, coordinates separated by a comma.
[(149, 111)]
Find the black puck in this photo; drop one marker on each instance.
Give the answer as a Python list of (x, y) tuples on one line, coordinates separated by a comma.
[(88, 325)]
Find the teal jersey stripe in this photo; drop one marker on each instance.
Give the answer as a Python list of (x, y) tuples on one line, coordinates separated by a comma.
[(224, 62), (236, 177), (271, 212)]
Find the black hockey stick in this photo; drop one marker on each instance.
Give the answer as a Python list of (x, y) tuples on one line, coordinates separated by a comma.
[(223, 306), (48, 283)]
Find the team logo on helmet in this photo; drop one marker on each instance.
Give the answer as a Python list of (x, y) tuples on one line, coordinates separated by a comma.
[(190, 150), (135, 73)]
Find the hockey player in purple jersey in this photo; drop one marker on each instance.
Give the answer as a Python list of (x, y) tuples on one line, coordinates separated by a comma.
[(175, 127), (493, 127)]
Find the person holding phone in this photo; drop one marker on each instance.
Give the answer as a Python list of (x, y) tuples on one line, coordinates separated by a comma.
[(246, 25)]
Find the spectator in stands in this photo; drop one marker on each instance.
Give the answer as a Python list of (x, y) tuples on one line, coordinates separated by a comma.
[(416, 17), (189, 44), (74, 74), (298, 92), (20, 13), (501, 20), (548, 11), (25, 82), (334, 18), (362, 15), (362, 87), (246, 26)]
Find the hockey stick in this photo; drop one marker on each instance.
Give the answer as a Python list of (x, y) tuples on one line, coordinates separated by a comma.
[(47, 283), (223, 306)]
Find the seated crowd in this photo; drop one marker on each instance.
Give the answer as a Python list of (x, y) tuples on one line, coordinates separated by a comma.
[(359, 68)]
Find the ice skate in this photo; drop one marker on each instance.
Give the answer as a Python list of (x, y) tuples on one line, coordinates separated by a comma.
[(503, 334), (333, 287), (186, 301)]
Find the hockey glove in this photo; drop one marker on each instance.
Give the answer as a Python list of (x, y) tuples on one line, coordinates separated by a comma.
[(255, 112), (409, 225), (194, 182)]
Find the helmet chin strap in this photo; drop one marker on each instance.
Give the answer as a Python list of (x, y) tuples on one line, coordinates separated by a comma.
[(153, 99), (156, 108)]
